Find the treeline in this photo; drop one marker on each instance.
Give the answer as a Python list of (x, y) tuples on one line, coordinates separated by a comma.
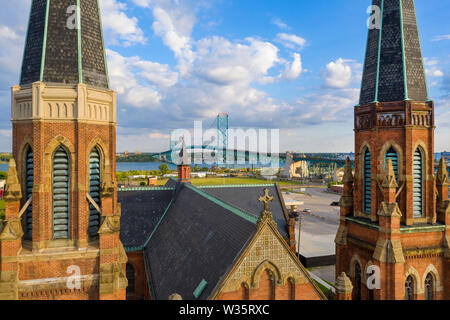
[(143, 157), (4, 157)]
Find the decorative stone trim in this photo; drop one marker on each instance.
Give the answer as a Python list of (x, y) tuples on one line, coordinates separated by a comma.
[(344, 284)]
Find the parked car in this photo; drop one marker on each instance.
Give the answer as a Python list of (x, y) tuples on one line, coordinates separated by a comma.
[(307, 210), (295, 215), (335, 204)]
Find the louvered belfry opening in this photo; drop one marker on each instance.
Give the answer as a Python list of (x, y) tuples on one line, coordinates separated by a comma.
[(367, 183), (418, 183), (61, 194), (29, 181), (94, 191)]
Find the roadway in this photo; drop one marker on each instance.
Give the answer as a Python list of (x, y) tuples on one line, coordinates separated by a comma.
[(320, 226)]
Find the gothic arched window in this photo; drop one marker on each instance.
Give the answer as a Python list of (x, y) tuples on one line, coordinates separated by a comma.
[(61, 194), (131, 279), (272, 285), (245, 291), (291, 284), (418, 183), (358, 281), (367, 181), (94, 191), (409, 288), (392, 154), (429, 287), (29, 181)]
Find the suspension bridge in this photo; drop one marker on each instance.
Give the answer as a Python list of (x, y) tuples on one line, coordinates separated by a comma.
[(218, 152)]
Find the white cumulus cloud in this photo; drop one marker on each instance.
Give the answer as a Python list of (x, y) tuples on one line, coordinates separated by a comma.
[(338, 74), (290, 41)]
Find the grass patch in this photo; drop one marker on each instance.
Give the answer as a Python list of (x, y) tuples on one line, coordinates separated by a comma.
[(328, 293), (162, 182), (2, 209)]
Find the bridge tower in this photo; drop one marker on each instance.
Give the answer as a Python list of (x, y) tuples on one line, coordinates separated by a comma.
[(222, 136)]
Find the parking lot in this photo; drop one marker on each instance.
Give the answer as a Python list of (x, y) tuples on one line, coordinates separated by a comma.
[(319, 227)]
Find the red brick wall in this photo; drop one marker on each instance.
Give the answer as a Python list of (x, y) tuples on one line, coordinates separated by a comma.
[(79, 140), (419, 248), (303, 291), (80, 136), (136, 259)]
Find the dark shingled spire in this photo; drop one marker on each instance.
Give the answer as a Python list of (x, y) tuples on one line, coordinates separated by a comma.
[(393, 69), (57, 53)]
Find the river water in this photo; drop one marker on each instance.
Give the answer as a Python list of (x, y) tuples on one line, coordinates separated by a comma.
[(148, 166)]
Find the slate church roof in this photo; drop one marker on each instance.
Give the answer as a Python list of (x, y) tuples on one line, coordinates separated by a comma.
[(59, 51), (393, 68), (192, 234)]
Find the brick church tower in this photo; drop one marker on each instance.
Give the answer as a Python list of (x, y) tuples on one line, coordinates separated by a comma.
[(395, 212), (62, 216)]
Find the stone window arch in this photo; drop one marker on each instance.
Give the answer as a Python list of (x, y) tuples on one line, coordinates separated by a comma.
[(410, 288), (245, 291), (430, 286), (291, 288)]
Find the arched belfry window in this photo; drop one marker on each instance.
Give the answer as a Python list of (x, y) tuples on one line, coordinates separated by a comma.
[(418, 183), (429, 287), (61, 194), (409, 288), (94, 191), (358, 281), (392, 154), (291, 284), (131, 279), (367, 181), (29, 181)]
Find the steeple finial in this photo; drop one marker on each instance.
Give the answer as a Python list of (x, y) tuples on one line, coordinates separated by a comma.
[(13, 190), (348, 174), (389, 176), (442, 174), (184, 156)]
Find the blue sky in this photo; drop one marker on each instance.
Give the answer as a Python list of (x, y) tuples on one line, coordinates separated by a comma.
[(291, 65)]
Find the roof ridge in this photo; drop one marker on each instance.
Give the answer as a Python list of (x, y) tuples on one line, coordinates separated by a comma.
[(146, 189), (236, 186), (239, 212), (233, 205)]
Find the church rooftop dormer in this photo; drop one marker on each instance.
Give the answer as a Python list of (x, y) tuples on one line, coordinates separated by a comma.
[(63, 42), (393, 69)]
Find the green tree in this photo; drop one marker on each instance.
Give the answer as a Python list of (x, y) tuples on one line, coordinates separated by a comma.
[(3, 175), (164, 169)]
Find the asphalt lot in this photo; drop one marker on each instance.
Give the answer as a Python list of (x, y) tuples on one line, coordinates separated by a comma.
[(318, 228)]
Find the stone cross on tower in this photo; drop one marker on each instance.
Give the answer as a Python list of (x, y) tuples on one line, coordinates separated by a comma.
[(266, 199)]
